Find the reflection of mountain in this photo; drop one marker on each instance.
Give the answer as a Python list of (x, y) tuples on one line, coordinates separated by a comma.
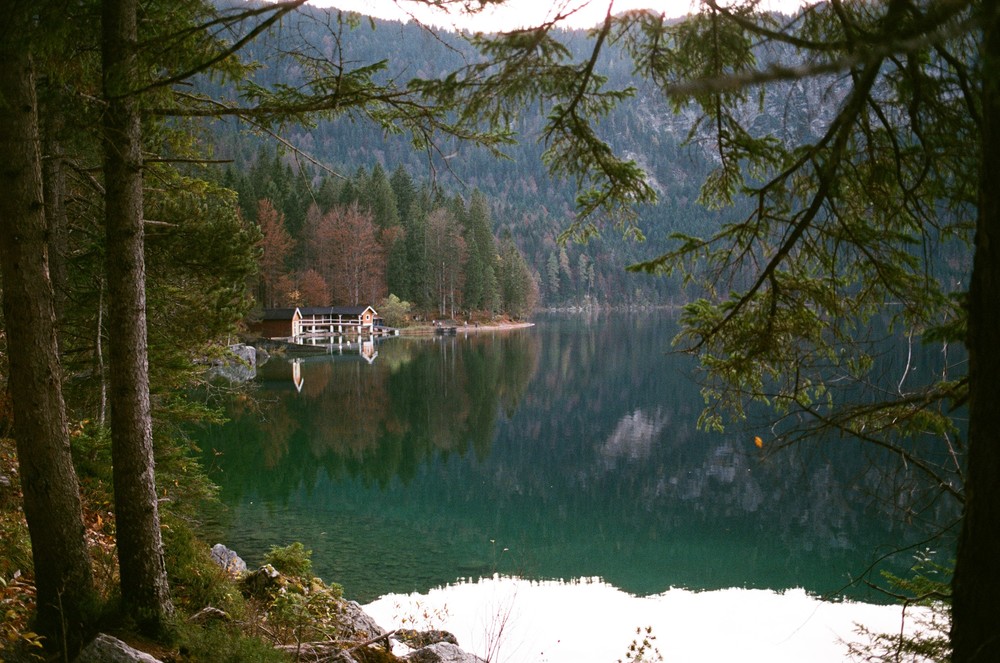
[(605, 468), (633, 437), (586, 461), (723, 467)]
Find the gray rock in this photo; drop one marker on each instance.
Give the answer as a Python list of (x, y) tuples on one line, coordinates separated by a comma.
[(263, 583), (245, 353), (442, 652), (107, 649), (240, 366), (356, 624), (228, 560)]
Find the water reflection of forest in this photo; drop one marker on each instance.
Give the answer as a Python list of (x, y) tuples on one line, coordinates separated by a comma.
[(600, 410), (421, 398), (574, 443)]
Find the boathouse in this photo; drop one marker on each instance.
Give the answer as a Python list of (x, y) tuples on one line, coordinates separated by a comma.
[(319, 321), (281, 323), (337, 319)]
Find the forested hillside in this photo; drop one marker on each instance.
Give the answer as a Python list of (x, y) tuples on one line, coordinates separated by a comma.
[(522, 199), (831, 175), (354, 241)]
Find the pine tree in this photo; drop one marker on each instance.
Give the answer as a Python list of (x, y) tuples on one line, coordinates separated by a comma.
[(145, 591), (446, 255), (379, 198), (52, 508), (519, 292), (481, 287), (400, 275), (417, 266), (404, 191), (552, 278)]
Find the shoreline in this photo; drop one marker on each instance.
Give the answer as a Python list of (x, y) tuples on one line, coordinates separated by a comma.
[(588, 619), (431, 330)]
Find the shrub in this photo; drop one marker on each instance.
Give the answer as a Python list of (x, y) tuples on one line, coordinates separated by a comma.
[(291, 560), (197, 580), (224, 643)]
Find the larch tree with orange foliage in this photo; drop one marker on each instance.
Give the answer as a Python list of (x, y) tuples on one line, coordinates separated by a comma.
[(276, 247), (353, 255), (313, 289)]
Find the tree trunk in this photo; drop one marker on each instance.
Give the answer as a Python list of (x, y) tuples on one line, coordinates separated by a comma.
[(55, 209), (975, 630), (51, 493), (140, 546)]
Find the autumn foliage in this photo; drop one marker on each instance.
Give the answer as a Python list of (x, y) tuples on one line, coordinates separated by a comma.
[(351, 247)]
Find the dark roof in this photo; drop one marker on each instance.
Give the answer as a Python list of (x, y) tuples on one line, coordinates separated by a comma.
[(314, 310), (348, 310), (289, 313), (279, 313)]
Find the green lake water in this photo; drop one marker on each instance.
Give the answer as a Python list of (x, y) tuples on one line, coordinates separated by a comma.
[(566, 450)]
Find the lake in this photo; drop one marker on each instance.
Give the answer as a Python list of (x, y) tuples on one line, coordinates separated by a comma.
[(562, 455)]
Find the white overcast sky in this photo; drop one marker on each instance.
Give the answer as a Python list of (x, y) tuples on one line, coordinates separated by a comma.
[(521, 13)]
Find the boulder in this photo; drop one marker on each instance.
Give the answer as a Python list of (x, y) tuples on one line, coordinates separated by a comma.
[(107, 649), (263, 583), (228, 560), (245, 353), (356, 624), (239, 366), (442, 652)]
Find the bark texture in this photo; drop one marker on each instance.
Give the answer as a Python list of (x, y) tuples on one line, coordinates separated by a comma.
[(54, 171), (144, 586), (975, 631), (51, 492)]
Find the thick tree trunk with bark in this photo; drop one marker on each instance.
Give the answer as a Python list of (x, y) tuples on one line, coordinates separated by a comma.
[(140, 546), (976, 619), (51, 492)]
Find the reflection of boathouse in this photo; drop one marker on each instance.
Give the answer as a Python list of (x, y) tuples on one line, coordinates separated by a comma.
[(322, 322)]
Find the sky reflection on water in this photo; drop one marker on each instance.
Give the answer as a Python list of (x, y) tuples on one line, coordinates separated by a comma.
[(562, 451), (516, 621)]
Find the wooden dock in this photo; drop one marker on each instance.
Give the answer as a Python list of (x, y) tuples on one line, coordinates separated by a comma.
[(346, 330)]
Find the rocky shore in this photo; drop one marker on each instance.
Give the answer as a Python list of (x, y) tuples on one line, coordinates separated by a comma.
[(359, 638)]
